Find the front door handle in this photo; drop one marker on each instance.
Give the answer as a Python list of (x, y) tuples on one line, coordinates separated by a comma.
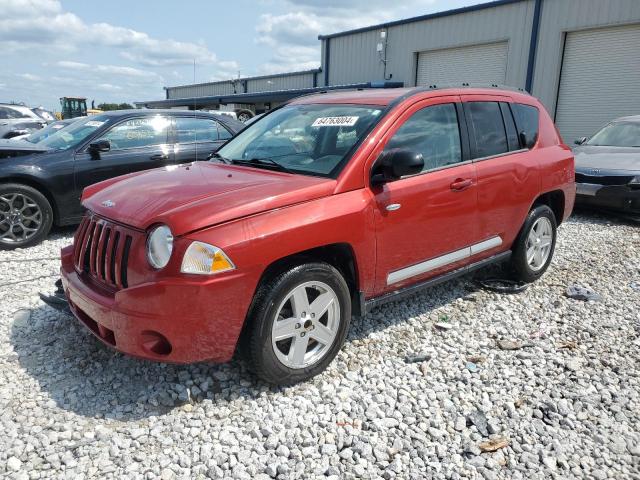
[(460, 184), (159, 156)]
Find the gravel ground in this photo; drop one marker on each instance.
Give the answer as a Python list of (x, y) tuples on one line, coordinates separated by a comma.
[(550, 383)]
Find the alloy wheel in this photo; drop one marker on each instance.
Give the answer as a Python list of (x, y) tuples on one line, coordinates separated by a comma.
[(539, 243), (306, 325), (20, 217)]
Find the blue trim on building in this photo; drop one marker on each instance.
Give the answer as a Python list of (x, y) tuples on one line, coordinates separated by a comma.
[(429, 16), (327, 59), (533, 45)]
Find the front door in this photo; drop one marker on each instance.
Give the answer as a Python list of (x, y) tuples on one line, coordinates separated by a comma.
[(426, 223), (136, 144)]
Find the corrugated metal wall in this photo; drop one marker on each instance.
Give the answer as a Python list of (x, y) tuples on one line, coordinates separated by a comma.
[(254, 84), (353, 58), (561, 16)]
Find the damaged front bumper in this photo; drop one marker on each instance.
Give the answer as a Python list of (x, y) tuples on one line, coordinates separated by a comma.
[(57, 300), (622, 198)]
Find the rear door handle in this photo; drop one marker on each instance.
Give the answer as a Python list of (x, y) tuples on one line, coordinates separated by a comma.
[(460, 184), (159, 156)]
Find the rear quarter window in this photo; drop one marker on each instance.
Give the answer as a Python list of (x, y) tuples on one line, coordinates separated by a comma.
[(527, 120)]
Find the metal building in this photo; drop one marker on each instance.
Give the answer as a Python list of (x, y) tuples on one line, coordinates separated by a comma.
[(580, 57)]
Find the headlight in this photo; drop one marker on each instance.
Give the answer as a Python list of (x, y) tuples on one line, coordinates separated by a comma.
[(635, 183), (204, 259), (159, 246)]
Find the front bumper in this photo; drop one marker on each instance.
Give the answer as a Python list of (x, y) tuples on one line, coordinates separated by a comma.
[(611, 197), (178, 320)]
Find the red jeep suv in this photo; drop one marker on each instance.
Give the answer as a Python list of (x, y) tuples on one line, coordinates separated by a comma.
[(322, 209)]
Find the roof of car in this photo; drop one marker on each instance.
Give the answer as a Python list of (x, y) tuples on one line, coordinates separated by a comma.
[(385, 96), (155, 111), (225, 119), (630, 118)]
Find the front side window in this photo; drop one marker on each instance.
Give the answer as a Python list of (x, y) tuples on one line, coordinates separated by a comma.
[(138, 132), (433, 132), (527, 121), (190, 130), (314, 139), (618, 134), (488, 128)]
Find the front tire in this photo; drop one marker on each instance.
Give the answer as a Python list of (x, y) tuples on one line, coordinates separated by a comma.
[(534, 247), (298, 323), (26, 216)]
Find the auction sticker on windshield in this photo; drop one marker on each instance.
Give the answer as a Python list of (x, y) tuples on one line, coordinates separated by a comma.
[(94, 123), (343, 121)]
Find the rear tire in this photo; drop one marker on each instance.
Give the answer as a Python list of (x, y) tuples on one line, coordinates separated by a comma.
[(534, 247), (26, 216), (297, 324)]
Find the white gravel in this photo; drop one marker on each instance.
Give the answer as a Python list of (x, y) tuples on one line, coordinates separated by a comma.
[(567, 404)]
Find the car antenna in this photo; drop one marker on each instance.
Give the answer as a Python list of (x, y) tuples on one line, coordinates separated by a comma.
[(195, 130)]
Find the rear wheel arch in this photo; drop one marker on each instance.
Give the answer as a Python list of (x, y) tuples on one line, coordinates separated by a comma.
[(30, 182), (555, 200)]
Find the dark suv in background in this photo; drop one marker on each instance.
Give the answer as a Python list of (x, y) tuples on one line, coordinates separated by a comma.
[(41, 184)]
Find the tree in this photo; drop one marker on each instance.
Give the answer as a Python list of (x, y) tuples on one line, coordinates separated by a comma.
[(114, 106)]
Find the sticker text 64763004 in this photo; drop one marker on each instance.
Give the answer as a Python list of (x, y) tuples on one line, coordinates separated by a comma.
[(343, 121)]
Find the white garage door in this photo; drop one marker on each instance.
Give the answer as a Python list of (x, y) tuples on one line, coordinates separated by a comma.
[(483, 64), (600, 79)]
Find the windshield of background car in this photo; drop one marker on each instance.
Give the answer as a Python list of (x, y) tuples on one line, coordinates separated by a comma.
[(619, 134), (308, 139), (75, 133), (45, 132)]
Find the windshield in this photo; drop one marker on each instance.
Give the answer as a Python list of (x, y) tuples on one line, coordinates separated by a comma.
[(308, 139), (75, 133), (619, 134), (47, 131)]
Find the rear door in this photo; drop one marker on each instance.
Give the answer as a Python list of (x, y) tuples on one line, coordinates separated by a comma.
[(139, 143), (197, 137), (508, 178), (425, 223)]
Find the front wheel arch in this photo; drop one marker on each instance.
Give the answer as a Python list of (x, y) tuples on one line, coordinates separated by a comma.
[(40, 187)]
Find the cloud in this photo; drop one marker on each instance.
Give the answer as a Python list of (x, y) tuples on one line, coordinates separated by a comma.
[(28, 23), (29, 76), (293, 36)]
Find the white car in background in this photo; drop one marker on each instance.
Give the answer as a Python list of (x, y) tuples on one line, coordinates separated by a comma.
[(18, 120)]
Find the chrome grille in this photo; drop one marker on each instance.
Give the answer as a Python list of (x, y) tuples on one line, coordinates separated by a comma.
[(101, 251)]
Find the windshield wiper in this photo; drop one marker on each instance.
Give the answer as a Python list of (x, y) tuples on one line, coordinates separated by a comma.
[(266, 162), (217, 156)]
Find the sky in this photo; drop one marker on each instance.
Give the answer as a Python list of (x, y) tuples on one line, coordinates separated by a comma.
[(128, 50)]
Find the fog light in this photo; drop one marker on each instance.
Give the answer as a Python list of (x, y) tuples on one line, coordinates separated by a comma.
[(155, 342)]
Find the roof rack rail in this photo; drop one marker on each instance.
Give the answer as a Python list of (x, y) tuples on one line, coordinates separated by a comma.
[(473, 85)]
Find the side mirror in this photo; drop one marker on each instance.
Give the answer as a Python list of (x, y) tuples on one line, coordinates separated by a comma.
[(580, 141), (396, 163), (100, 146)]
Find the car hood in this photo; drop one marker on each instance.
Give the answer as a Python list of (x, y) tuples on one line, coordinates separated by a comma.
[(21, 145), (193, 196), (607, 158)]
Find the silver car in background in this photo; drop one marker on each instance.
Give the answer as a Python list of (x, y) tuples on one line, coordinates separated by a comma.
[(608, 167)]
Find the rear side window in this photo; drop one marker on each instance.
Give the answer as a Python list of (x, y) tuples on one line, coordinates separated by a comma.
[(527, 118), (432, 131), (189, 130), (488, 128)]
